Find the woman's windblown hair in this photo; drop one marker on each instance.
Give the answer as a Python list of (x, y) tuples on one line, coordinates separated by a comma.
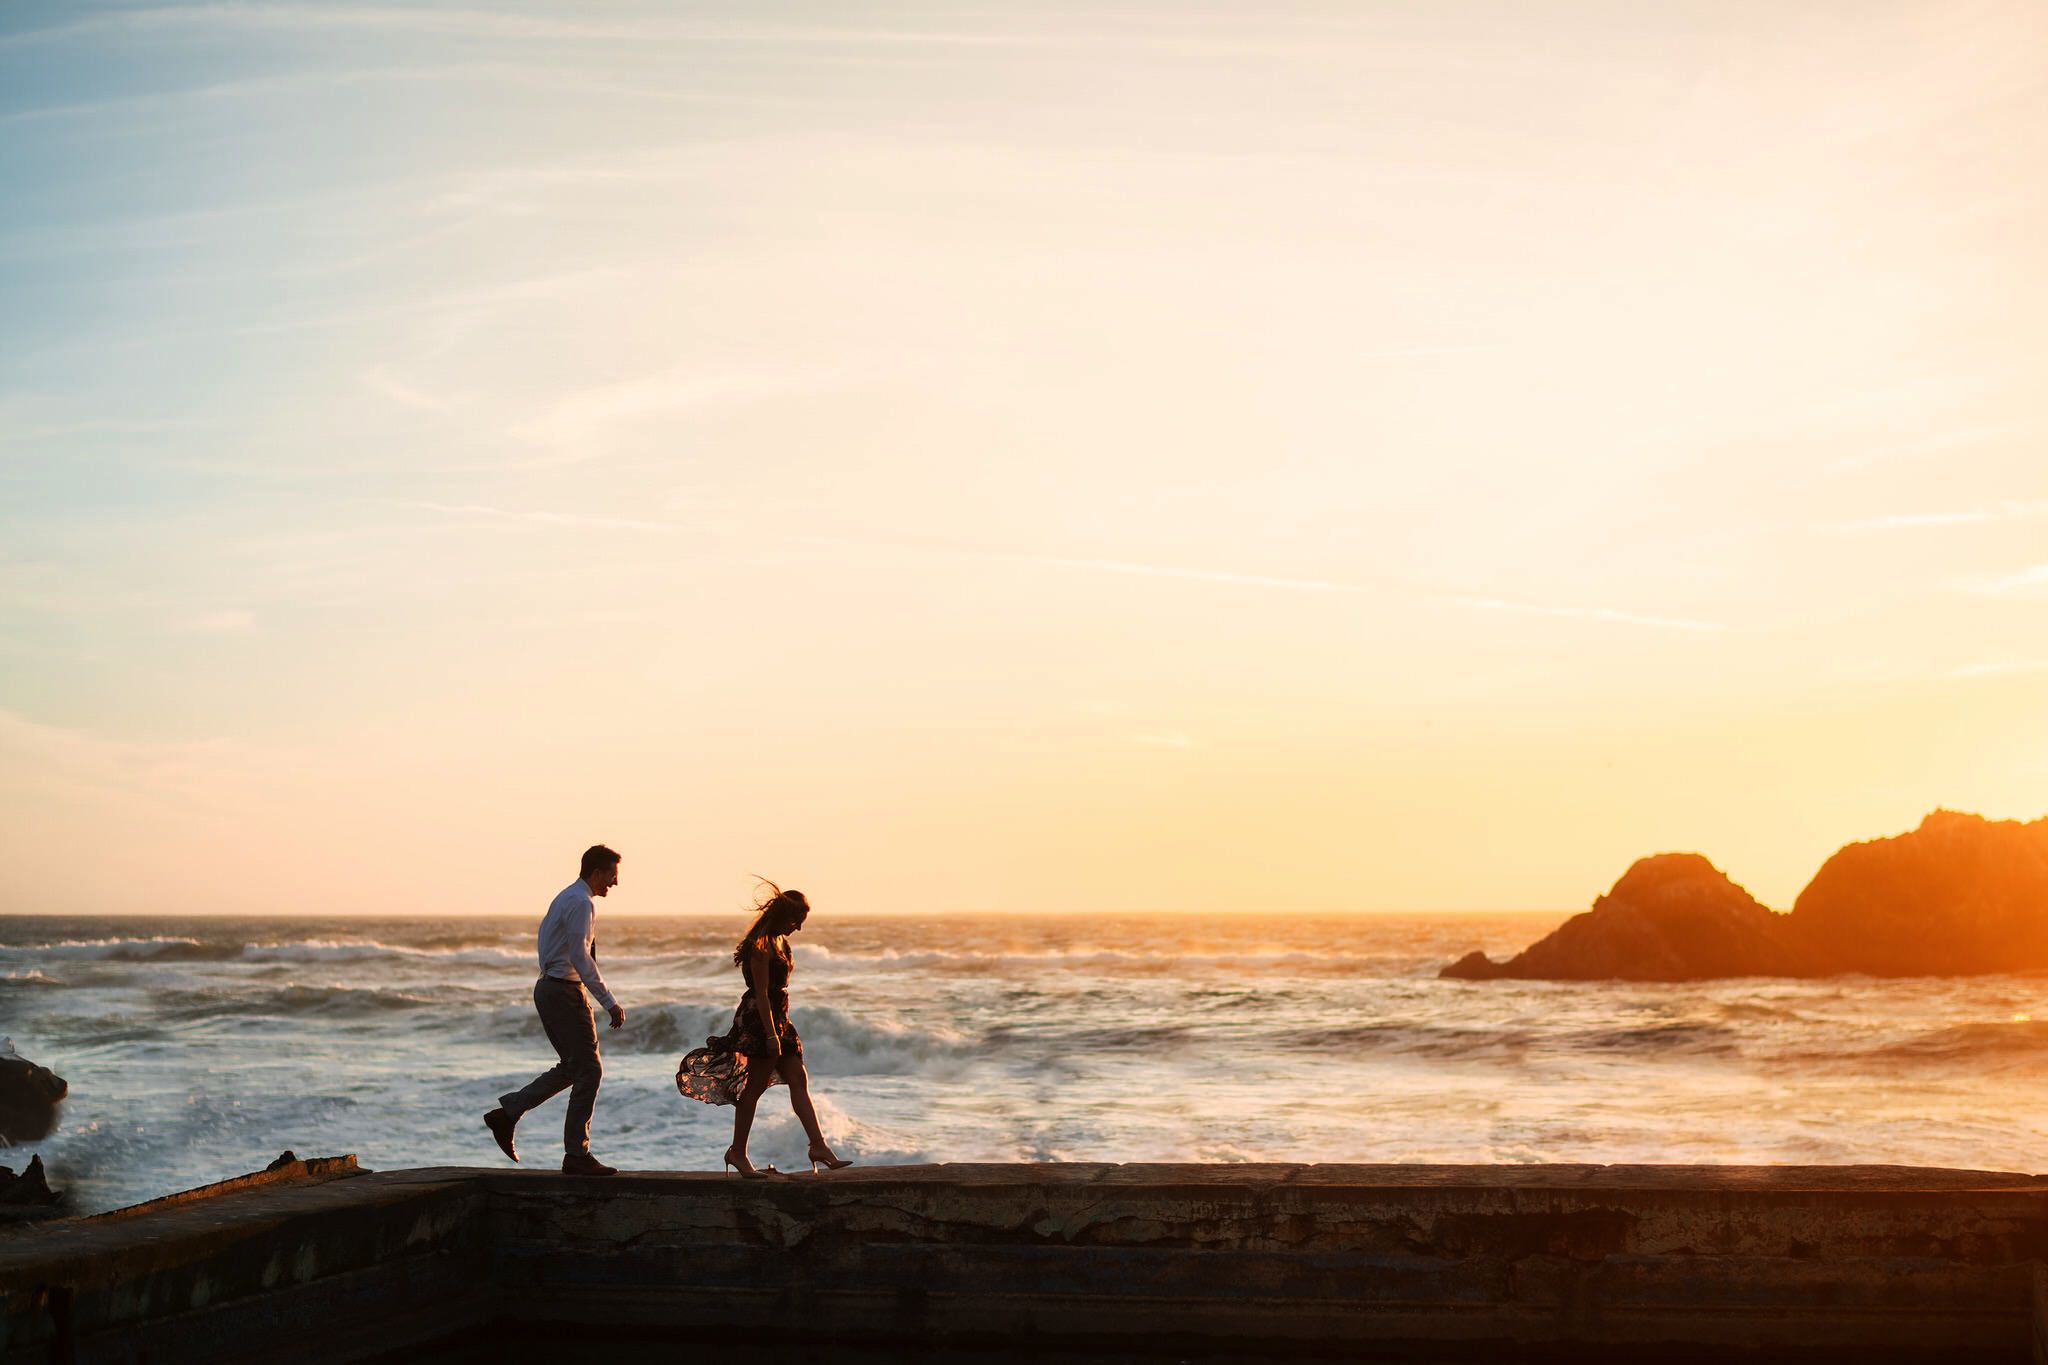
[(776, 912)]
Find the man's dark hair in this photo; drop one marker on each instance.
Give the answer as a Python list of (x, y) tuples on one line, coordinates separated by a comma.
[(598, 857)]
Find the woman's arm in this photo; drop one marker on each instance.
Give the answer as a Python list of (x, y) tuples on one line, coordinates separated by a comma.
[(758, 960)]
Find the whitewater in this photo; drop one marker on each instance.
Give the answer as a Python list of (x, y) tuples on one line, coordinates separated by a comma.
[(197, 1049)]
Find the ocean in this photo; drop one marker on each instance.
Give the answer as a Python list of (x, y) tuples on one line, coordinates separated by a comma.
[(199, 1049)]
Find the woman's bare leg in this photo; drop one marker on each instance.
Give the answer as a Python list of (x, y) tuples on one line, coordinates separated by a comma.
[(799, 1082), (758, 1081)]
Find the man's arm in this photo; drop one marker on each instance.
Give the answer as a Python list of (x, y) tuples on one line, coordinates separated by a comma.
[(586, 967)]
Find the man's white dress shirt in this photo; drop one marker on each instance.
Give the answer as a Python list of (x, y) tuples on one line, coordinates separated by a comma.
[(568, 932)]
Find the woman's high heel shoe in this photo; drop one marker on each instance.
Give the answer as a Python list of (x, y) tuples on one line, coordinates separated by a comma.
[(743, 1168), (822, 1156)]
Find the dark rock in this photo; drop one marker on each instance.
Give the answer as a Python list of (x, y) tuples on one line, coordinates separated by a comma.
[(1475, 966), (287, 1158), (29, 1096), (1672, 917), (1960, 895), (27, 1195)]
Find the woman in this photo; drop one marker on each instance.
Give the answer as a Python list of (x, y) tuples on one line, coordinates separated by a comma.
[(762, 1046)]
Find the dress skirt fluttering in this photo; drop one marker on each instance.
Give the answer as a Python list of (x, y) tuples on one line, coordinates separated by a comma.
[(719, 1071)]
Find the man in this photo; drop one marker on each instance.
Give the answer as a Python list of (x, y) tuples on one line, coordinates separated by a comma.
[(568, 967)]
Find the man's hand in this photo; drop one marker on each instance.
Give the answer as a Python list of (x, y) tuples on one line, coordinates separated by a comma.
[(618, 1016)]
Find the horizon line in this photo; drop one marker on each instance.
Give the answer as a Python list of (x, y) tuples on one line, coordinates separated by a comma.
[(395, 917)]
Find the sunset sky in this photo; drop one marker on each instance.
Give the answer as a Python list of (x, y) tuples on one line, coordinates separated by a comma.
[(1050, 456)]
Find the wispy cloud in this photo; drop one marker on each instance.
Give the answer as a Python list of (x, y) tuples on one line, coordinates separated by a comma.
[(2001, 668), (422, 21), (1938, 444), (478, 24), (2026, 582), (534, 517), (124, 232), (556, 79), (1226, 577), (89, 426), (417, 20), (1247, 580), (1232, 578), (452, 313), (291, 83), (583, 425), (383, 383), (1166, 739), (1905, 521), (1611, 615)]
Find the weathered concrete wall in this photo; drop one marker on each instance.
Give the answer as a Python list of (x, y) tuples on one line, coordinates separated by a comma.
[(1551, 1262), (333, 1265)]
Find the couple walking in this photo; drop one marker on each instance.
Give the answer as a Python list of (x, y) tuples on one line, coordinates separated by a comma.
[(736, 1068)]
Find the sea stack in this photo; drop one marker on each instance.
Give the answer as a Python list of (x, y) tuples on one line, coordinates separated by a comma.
[(1671, 917), (28, 1197), (29, 1096), (1958, 896)]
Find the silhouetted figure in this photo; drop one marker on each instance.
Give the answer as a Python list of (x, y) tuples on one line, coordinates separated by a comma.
[(762, 1047), (568, 966)]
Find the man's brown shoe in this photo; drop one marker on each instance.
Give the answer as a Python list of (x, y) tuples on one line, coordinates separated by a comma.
[(501, 1125), (583, 1163)]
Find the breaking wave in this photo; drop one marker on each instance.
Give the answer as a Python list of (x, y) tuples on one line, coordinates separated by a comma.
[(28, 980), (2017, 1041), (372, 951), (155, 949), (835, 1042), (341, 1002)]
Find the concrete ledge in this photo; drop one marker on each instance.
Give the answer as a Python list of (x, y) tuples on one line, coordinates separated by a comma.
[(286, 1170), (1028, 1261)]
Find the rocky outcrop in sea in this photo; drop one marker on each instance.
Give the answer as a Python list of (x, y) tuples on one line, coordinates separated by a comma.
[(29, 1096), (1958, 896), (28, 1197)]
